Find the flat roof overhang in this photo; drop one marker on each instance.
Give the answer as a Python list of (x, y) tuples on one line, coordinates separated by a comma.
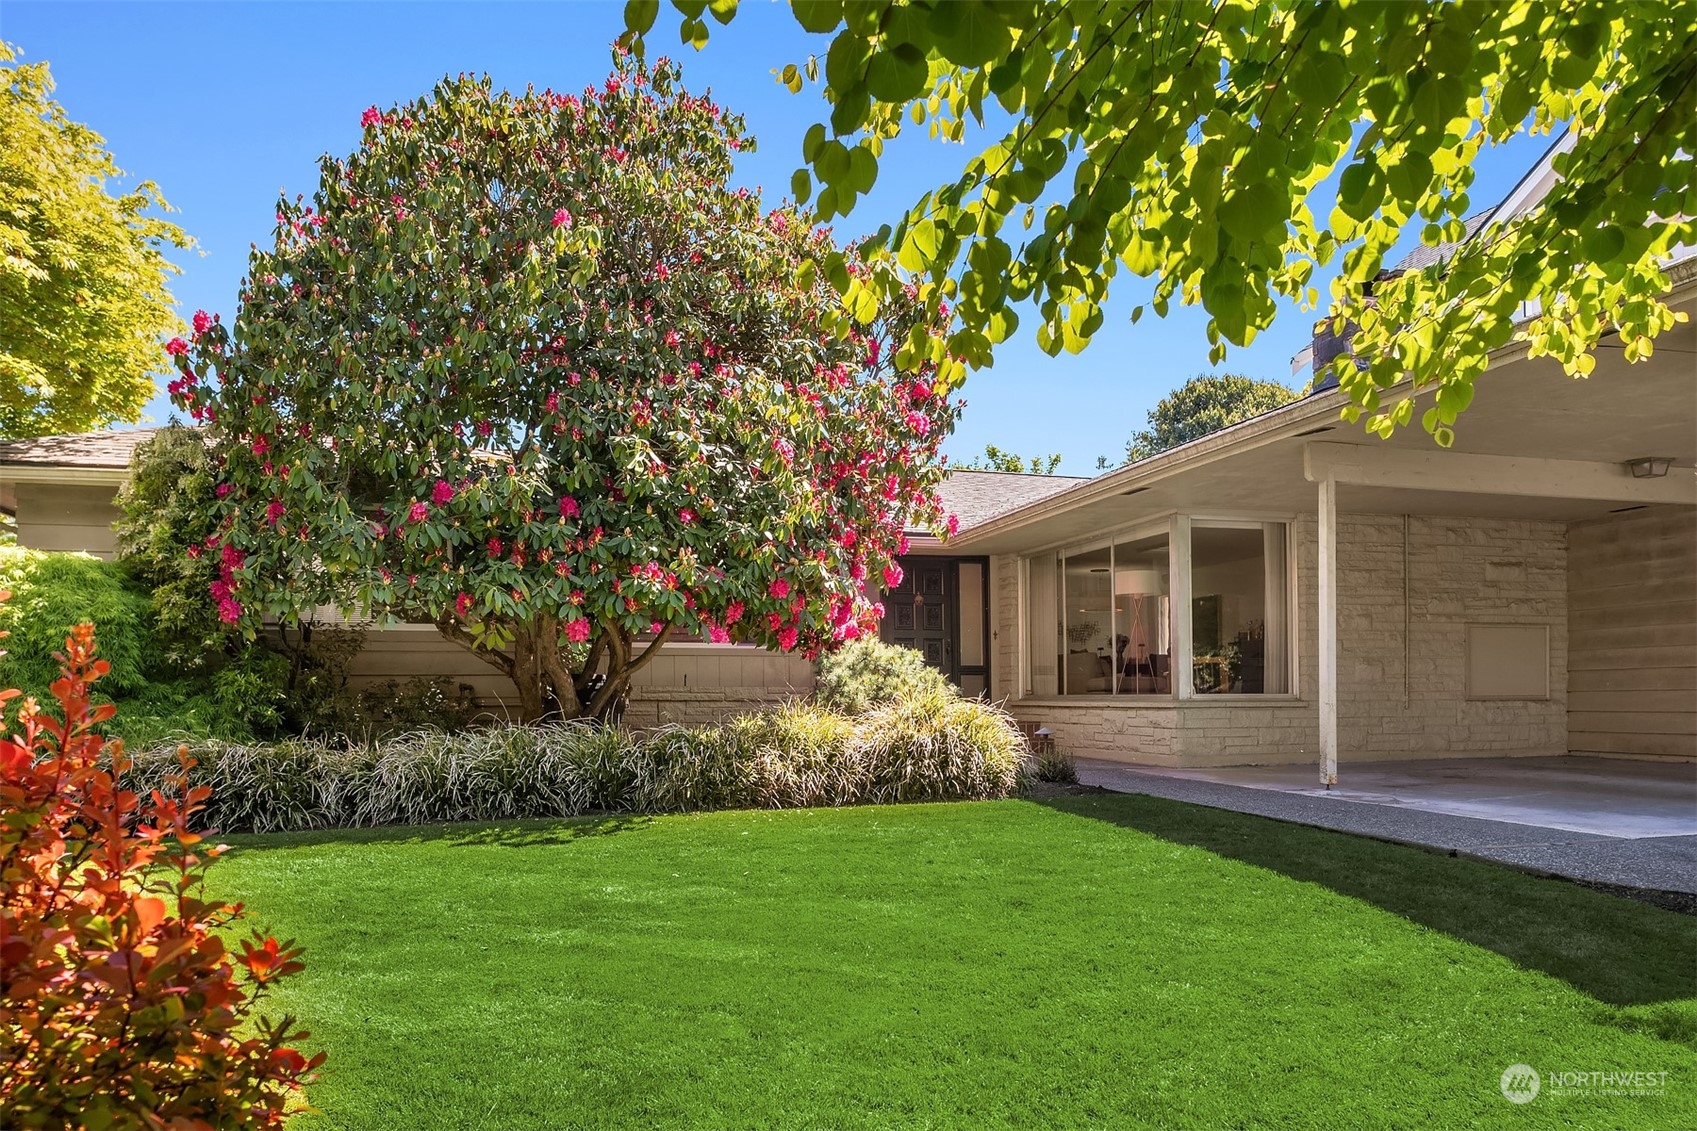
[(1531, 421)]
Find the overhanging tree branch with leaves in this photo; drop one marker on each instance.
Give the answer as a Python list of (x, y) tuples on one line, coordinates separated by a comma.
[(528, 369), (1198, 136)]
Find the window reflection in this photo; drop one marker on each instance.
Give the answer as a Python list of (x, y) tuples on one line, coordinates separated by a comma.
[(1237, 609), (1142, 617)]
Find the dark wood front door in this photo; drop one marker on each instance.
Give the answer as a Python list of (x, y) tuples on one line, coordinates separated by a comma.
[(916, 612)]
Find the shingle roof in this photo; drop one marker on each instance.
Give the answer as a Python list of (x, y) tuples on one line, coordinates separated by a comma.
[(1423, 256), (971, 496), (978, 496), (81, 449)]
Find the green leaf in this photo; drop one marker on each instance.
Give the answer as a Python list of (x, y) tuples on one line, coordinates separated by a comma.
[(640, 14), (863, 169), (832, 164), (845, 62), (801, 186), (897, 74), (968, 32), (1603, 245), (817, 16), (1253, 212), (1360, 191), (814, 139)]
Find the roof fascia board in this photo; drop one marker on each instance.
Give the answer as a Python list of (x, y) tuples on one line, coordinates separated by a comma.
[(88, 476)]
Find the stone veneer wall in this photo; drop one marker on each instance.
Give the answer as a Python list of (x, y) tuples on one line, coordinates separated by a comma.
[(1632, 617), (1460, 571)]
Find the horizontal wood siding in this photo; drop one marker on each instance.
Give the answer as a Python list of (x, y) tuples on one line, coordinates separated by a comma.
[(1632, 631), (685, 683), (68, 517)]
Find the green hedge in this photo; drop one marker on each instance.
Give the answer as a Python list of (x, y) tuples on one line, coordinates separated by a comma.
[(929, 749)]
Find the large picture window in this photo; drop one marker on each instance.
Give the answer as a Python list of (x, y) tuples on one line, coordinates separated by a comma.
[(1237, 602), (1100, 619)]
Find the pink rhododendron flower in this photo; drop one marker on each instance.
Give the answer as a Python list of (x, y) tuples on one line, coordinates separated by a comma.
[(553, 402), (442, 493), (176, 347), (224, 489), (462, 605), (716, 634), (577, 631), (954, 525), (787, 638), (892, 575), (261, 445), (418, 512), (686, 516), (568, 507), (229, 610), (919, 423), (202, 321), (273, 512), (562, 219), (733, 612), (370, 118), (779, 588)]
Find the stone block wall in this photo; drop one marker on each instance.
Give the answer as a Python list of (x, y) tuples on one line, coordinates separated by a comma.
[(1401, 697)]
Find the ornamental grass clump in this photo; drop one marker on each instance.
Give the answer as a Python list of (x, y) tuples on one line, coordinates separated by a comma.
[(939, 748), (800, 756), (930, 748)]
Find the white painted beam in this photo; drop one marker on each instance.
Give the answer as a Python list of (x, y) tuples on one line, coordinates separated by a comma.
[(1327, 608), (1380, 465)]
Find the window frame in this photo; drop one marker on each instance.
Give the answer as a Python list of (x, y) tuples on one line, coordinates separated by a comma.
[(1176, 525)]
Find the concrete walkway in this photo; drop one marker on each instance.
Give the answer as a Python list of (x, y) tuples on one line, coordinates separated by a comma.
[(1644, 849)]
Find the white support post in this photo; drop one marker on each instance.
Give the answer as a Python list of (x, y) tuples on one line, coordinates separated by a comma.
[(1327, 608), (1178, 585)]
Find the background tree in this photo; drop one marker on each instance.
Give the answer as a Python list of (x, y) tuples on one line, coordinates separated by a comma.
[(1204, 404), (1197, 137), (481, 380), (995, 459), (83, 297)]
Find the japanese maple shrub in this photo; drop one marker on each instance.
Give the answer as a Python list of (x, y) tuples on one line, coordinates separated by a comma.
[(528, 368), (120, 1006)]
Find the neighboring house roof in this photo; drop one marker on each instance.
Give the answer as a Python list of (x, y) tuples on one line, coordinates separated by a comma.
[(80, 449), (974, 497)]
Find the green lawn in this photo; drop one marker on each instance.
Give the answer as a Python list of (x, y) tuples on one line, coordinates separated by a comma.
[(1096, 961)]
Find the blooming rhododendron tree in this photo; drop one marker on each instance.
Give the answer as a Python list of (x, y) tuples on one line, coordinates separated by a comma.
[(528, 368), (120, 1004)]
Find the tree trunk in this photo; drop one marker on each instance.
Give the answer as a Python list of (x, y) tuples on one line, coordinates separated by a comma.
[(547, 687)]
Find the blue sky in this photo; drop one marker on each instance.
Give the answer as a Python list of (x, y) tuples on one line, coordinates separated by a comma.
[(226, 105)]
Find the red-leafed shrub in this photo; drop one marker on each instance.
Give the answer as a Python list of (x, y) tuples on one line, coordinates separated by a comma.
[(120, 1006)]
